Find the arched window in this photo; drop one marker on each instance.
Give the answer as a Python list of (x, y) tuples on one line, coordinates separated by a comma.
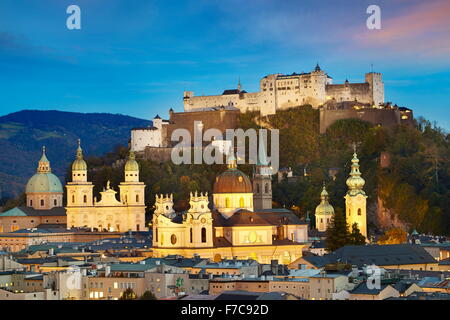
[(42, 202), (156, 234), (55, 202), (73, 199), (203, 235), (85, 198), (31, 203), (266, 188), (241, 202), (257, 188), (190, 235), (227, 203), (349, 212), (137, 198), (359, 211)]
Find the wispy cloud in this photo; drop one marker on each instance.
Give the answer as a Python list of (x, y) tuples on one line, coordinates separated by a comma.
[(422, 29)]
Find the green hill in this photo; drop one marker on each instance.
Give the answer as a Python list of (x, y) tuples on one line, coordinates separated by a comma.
[(23, 133)]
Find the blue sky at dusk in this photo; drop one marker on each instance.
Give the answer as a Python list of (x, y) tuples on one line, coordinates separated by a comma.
[(136, 57)]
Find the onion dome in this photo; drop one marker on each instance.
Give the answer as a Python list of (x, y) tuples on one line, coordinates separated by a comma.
[(324, 208), (79, 164), (131, 164), (355, 182), (232, 180), (44, 181)]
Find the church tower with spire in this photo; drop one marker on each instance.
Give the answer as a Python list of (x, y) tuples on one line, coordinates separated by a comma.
[(262, 182), (324, 212), (132, 190), (355, 199), (79, 192)]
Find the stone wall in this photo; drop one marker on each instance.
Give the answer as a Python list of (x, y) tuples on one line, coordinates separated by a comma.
[(388, 117)]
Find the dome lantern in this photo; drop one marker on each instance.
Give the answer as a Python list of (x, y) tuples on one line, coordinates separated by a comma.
[(355, 182), (79, 164)]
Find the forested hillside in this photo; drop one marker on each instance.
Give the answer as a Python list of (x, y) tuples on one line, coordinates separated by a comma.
[(22, 135)]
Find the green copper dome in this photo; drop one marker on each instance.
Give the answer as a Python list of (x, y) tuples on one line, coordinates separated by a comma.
[(44, 181), (79, 164), (131, 164)]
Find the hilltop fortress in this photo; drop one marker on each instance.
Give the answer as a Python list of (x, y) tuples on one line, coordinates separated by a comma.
[(364, 101), (278, 91)]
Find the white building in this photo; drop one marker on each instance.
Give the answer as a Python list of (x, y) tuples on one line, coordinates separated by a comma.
[(151, 136)]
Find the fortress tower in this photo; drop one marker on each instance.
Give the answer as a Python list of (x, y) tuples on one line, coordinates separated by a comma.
[(376, 87)]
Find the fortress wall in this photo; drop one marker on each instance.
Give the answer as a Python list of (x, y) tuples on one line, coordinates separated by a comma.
[(385, 117), (341, 92), (220, 119)]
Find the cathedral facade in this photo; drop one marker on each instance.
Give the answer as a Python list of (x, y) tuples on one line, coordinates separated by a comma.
[(280, 91), (231, 226), (109, 213)]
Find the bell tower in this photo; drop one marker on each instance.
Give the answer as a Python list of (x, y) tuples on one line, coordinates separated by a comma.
[(79, 192), (355, 199), (132, 195), (262, 182), (199, 222)]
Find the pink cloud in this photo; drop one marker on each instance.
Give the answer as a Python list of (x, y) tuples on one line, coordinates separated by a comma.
[(424, 29)]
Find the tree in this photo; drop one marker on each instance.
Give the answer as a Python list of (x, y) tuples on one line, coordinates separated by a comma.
[(393, 236), (128, 294), (355, 236), (148, 295), (337, 234)]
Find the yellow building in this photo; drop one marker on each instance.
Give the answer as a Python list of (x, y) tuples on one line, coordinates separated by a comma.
[(108, 213), (230, 227), (355, 199)]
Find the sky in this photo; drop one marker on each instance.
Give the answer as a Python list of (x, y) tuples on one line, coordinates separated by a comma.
[(136, 57)]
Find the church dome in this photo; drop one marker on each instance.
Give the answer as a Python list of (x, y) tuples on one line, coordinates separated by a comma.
[(131, 164), (324, 208), (79, 164), (232, 181), (44, 181)]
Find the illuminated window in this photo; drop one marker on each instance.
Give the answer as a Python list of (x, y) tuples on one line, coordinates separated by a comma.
[(227, 203), (241, 203)]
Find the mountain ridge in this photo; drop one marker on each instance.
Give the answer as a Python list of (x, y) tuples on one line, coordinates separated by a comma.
[(24, 133)]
